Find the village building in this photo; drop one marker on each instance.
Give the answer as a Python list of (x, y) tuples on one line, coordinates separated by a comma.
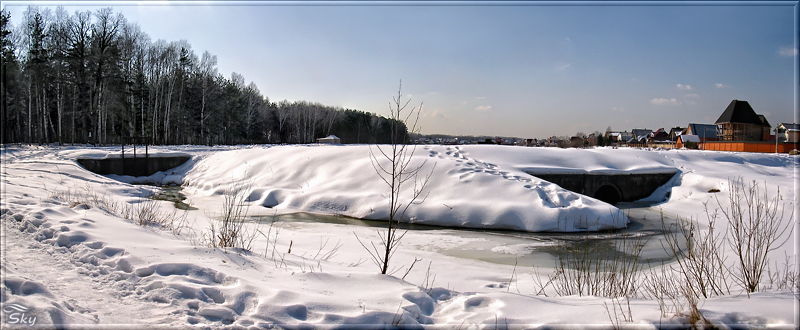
[(675, 132), (618, 138), (330, 139), (706, 132), (787, 132), (576, 141), (740, 123), (592, 139), (659, 135), (692, 140), (660, 139), (641, 134)]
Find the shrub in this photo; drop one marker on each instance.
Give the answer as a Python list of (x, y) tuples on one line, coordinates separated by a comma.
[(756, 228)]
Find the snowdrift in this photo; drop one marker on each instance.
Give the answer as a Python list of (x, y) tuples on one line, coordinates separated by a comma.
[(476, 186)]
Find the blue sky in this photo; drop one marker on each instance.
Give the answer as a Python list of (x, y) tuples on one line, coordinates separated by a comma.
[(519, 69)]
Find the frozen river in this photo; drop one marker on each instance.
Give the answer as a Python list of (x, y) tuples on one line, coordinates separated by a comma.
[(516, 247)]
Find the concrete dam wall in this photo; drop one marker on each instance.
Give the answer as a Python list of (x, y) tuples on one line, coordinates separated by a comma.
[(610, 188), (132, 166)]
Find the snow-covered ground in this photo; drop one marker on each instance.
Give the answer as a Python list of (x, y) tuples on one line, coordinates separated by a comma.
[(69, 257)]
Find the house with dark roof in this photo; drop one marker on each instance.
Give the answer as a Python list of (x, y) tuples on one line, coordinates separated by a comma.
[(675, 132), (740, 123), (618, 137), (659, 135), (641, 134), (660, 139), (706, 132)]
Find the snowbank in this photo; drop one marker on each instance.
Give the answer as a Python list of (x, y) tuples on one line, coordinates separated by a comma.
[(477, 186)]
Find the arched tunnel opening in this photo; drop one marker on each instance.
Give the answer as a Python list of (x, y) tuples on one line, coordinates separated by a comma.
[(608, 194)]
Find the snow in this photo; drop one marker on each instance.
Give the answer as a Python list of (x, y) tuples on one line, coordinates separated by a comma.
[(464, 190), (70, 258)]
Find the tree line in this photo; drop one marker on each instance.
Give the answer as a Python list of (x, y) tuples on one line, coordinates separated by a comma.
[(95, 77)]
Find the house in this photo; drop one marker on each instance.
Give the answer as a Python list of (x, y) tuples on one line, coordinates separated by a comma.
[(659, 135), (528, 142), (624, 136), (641, 134), (684, 139), (675, 132), (576, 141), (788, 132), (706, 132), (592, 139), (618, 137), (740, 123), (660, 139), (330, 139)]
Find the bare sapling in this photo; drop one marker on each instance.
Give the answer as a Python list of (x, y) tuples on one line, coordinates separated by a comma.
[(698, 256), (406, 183), (756, 227), (659, 284), (784, 277), (618, 310)]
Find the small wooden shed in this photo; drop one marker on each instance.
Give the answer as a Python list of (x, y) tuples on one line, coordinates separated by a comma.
[(330, 139)]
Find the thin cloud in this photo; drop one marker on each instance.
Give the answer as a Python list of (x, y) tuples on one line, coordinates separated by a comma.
[(480, 98), (721, 85), (787, 51), (562, 66), (692, 95), (484, 108), (618, 109), (684, 87), (661, 101), (437, 114)]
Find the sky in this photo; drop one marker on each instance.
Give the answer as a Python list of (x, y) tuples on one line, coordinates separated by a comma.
[(523, 69)]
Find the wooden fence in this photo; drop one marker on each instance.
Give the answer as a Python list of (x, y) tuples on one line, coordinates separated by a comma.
[(765, 147)]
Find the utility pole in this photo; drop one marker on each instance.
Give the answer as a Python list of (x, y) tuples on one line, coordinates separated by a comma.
[(776, 139)]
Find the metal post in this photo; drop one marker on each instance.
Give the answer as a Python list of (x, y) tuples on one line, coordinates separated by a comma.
[(776, 139)]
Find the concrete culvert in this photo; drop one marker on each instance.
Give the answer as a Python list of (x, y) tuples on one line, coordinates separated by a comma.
[(608, 194)]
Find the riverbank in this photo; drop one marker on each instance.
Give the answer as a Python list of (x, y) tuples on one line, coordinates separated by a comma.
[(72, 257)]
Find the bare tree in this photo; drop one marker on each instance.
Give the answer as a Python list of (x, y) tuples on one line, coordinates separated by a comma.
[(208, 69), (393, 164)]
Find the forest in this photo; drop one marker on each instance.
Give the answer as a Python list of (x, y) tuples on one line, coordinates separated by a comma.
[(92, 77)]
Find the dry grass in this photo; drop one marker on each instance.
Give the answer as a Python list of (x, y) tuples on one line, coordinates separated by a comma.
[(143, 211), (228, 230)]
